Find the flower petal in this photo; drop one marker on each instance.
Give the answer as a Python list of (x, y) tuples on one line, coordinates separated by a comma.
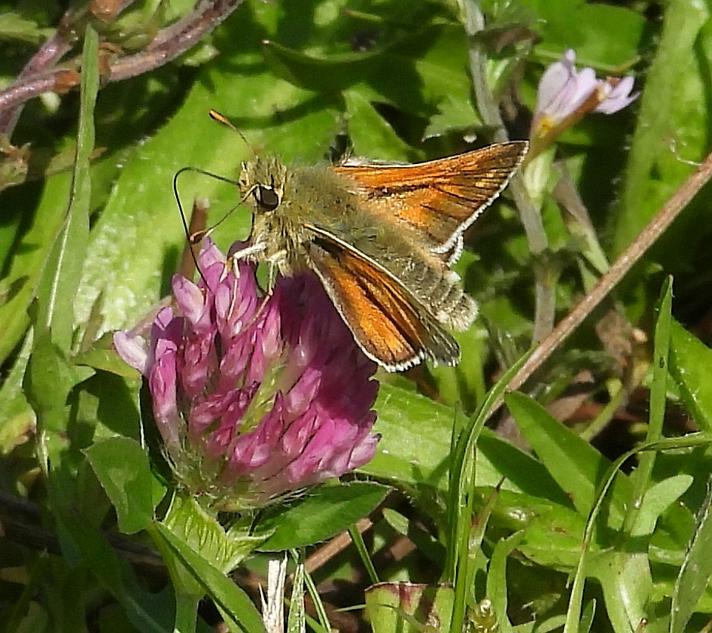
[(133, 349), (618, 97)]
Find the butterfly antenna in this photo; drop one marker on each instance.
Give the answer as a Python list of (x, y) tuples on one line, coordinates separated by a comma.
[(194, 237), (223, 120)]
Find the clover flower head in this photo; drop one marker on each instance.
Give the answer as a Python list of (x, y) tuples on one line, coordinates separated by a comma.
[(254, 397)]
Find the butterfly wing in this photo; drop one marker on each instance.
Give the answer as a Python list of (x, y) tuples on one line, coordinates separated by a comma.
[(440, 198), (390, 325)]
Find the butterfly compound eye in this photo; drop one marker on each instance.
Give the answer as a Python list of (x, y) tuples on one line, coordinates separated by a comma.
[(266, 197)]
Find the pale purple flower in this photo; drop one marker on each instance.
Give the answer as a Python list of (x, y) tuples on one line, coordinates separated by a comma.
[(566, 94), (254, 399)]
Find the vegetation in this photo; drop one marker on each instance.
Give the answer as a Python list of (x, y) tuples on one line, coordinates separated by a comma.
[(578, 502)]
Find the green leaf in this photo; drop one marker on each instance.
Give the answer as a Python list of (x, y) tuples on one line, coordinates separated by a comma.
[(658, 498), (553, 538), (35, 620), (589, 612), (625, 574), (604, 36), (297, 617), (497, 458), (407, 607), (415, 438), (696, 569), (431, 63), (48, 379), (497, 578), (322, 514), (690, 361), (573, 614), (337, 72), (27, 264), (15, 411), (103, 356), (234, 604), (673, 106), (658, 391), (147, 612), (453, 115), (575, 465), (219, 549), (15, 27), (415, 448), (58, 288), (371, 135), (122, 467)]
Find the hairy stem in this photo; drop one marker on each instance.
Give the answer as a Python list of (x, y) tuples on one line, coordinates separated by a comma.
[(488, 108)]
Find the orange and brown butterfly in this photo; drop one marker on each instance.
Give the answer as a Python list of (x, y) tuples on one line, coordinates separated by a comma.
[(382, 239)]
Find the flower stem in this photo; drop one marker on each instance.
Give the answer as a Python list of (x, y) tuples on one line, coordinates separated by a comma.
[(186, 613), (655, 228), (474, 22)]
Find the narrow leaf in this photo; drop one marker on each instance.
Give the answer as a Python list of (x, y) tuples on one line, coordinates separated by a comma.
[(658, 393), (576, 466), (296, 620), (63, 270), (696, 569), (497, 578), (690, 362)]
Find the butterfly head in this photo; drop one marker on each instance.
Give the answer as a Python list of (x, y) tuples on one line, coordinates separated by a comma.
[(262, 183)]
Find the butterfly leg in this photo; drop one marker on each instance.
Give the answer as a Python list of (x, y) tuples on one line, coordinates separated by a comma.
[(234, 257), (247, 251), (273, 263)]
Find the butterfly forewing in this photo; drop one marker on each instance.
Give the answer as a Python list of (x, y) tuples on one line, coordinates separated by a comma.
[(387, 321), (440, 198)]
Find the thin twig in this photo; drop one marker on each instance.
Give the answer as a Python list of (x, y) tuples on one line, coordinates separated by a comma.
[(201, 22), (183, 24), (329, 550), (46, 57), (31, 87), (488, 108), (655, 228)]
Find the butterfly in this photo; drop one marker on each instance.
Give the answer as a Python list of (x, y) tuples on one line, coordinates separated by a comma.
[(382, 239)]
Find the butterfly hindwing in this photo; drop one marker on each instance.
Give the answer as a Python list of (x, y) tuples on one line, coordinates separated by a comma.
[(388, 322)]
